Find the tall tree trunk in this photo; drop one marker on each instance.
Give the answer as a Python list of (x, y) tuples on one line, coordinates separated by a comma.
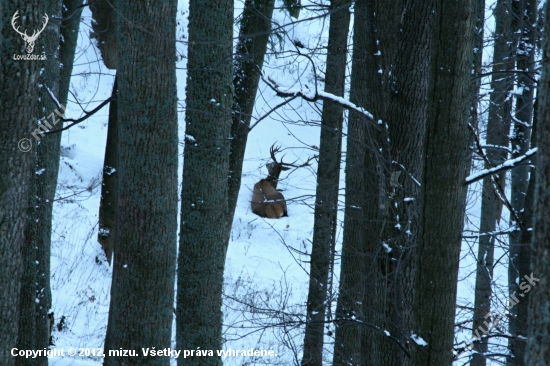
[(361, 203), (443, 190), (109, 187), (249, 59), (406, 116), (537, 352), (498, 130), (204, 208), (519, 249), (19, 88), (36, 301), (142, 291), (328, 180)]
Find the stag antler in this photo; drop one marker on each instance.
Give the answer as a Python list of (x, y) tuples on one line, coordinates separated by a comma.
[(273, 150), (13, 19)]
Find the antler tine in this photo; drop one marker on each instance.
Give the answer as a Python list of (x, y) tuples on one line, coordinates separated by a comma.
[(13, 19), (272, 151), (307, 163)]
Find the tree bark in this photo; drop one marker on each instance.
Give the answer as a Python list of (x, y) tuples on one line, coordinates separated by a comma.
[(537, 351), (366, 160), (328, 180), (204, 207), (142, 291), (443, 192), (109, 187), (36, 302), (406, 117), (19, 88)]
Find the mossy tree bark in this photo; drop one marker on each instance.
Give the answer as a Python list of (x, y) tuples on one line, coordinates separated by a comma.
[(142, 291), (19, 88), (204, 207), (443, 190)]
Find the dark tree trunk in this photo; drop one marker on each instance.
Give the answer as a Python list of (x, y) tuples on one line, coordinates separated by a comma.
[(249, 59), (142, 291), (364, 170), (519, 248), (19, 90), (498, 130), (204, 208), (109, 187), (406, 116), (537, 352), (36, 301), (443, 190), (328, 180)]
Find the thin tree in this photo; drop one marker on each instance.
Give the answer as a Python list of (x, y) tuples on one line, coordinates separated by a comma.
[(497, 138), (443, 191), (204, 207), (521, 182), (142, 291), (328, 180), (103, 31)]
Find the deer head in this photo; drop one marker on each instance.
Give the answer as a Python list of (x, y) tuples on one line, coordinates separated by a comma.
[(29, 40), (266, 200)]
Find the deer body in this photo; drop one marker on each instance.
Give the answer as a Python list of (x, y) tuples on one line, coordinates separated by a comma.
[(267, 201)]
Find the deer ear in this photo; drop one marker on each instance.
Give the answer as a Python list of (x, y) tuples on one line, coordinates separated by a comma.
[(285, 168)]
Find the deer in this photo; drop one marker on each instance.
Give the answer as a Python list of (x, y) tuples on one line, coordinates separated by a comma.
[(267, 201), (29, 40)]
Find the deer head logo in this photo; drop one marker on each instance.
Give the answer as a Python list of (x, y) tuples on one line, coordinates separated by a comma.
[(29, 40)]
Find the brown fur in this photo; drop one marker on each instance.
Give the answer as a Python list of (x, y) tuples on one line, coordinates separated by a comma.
[(267, 201)]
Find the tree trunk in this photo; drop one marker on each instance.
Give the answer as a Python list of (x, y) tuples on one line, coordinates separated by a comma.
[(406, 116), (328, 180), (519, 249), (498, 130), (19, 88), (204, 208), (109, 187), (142, 291), (364, 170), (537, 352), (249, 59), (443, 190), (36, 301)]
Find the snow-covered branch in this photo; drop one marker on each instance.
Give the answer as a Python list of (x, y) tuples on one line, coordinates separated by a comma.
[(508, 164), (315, 95)]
